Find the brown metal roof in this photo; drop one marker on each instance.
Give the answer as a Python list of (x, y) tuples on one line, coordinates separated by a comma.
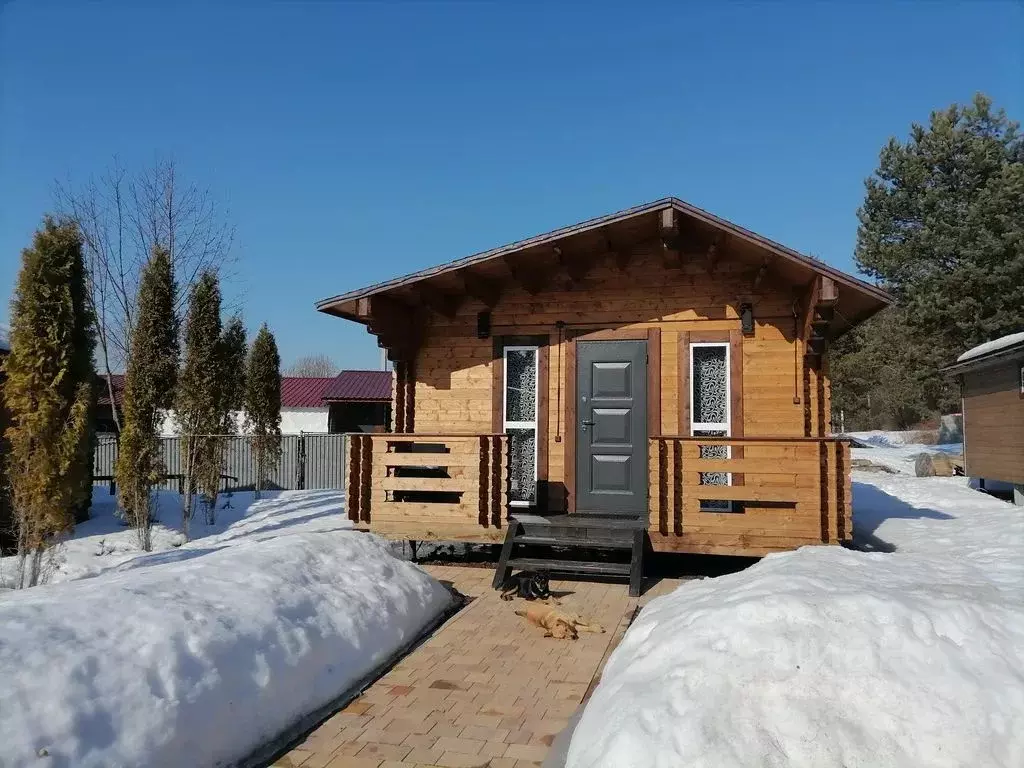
[(362, 386), (872, 292)]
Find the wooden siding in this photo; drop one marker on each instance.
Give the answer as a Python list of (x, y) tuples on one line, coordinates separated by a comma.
[(454, 389), (994, 423)]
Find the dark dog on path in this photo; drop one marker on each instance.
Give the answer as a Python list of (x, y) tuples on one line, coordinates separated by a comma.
[(529, 585)]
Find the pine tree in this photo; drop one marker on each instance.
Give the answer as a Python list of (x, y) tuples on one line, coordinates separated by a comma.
[(942, 225), (198, 396), (148, 391), (263, 403), (232, 359), (49, 392)]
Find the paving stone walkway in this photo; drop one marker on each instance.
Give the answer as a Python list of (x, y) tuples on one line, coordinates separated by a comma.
[(486, 689)]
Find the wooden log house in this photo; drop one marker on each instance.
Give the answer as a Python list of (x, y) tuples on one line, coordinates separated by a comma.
[(659, 369)]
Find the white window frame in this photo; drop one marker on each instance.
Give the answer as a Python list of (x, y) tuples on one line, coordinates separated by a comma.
[(696, 426), (535, 424)]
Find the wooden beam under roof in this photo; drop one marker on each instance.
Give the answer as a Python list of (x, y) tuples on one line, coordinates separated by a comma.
[(533, 278), (439, 301), (396, 325), (668, 227), (483, 289), (576, 266)]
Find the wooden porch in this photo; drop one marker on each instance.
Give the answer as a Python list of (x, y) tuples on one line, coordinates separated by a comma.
[(713, 495)]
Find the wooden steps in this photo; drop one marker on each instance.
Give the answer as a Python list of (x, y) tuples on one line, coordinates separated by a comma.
[(569, 566), (573, 532)]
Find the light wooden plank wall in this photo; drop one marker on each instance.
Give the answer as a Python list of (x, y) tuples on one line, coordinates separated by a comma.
[(994, 423), (454, 368)]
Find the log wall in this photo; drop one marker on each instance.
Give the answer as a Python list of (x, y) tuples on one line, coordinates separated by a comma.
[(457, 375)]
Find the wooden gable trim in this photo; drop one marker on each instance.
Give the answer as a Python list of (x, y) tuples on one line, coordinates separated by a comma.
[(653, 338), (542, 342), (669, 208)]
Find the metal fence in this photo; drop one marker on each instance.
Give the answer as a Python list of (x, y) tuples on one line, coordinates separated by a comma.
[(309, 461)]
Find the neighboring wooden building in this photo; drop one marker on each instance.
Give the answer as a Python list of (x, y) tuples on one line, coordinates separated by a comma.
[(991, 380), (659, 364)]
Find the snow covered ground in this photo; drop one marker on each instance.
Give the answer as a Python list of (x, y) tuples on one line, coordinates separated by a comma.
[(830, 657), (897, 450), (104, 541), (200, 653)]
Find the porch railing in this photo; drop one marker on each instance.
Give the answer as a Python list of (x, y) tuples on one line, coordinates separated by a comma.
[(408, 482), (795, 488)]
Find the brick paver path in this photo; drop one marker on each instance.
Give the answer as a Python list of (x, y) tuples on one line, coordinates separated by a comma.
[(486, 689)]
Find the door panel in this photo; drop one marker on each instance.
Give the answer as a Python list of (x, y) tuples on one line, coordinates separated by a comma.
[(611, 429)]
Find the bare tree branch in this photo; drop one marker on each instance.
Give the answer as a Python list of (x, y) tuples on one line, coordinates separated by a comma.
[(122, 216), (313, 365)]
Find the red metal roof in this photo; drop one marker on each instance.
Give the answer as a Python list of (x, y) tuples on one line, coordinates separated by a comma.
[(303, 392), (361, 386), (117, 379), (296, 391)]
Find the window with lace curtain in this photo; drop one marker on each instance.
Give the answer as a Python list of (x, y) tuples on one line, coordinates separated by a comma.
[(709, 411), (520, 423)]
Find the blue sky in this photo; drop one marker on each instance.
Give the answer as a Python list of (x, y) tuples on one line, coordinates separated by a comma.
[(356, 142)]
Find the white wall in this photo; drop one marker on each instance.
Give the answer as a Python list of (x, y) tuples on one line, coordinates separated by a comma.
[(293, 421)]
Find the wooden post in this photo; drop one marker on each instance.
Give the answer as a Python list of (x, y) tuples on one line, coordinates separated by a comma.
[(483, 482), (662, 488), (823, 489), (677, 487), (365, 467), (354, 463), (499, 484)]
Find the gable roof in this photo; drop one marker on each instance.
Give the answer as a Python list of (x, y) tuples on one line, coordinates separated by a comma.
[(870, 298), (360, 386)]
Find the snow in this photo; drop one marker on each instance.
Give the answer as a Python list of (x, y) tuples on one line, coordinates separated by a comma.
[(831, 657), (104, 541), (5, 339), (204, 652), (992, 346), (896, 450)]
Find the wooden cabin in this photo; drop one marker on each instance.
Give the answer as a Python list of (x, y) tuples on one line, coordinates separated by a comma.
[(991, 378), (659, 365)]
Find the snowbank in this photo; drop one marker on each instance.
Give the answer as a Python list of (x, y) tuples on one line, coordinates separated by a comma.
[(992, 346), (104, 541), (829, 657), (199, 655)]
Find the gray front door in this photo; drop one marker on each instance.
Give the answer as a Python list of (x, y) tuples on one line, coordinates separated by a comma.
[(611, 427)]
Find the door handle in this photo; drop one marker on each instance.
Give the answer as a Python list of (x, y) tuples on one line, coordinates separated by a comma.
[(586, 423)]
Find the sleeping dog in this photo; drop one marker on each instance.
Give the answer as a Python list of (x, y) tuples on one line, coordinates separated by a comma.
[(528, 585), (557, 623)]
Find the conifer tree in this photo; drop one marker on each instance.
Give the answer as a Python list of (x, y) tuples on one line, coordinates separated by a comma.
[(232, 359), (263, 403), (942, 226), (148, 391), (198, 396), (49, 392)]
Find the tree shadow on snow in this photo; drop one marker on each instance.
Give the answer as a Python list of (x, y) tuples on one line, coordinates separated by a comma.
[(873, 506)]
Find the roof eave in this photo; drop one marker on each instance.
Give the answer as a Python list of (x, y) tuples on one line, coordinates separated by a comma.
[(984, 361), (330, 305)]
